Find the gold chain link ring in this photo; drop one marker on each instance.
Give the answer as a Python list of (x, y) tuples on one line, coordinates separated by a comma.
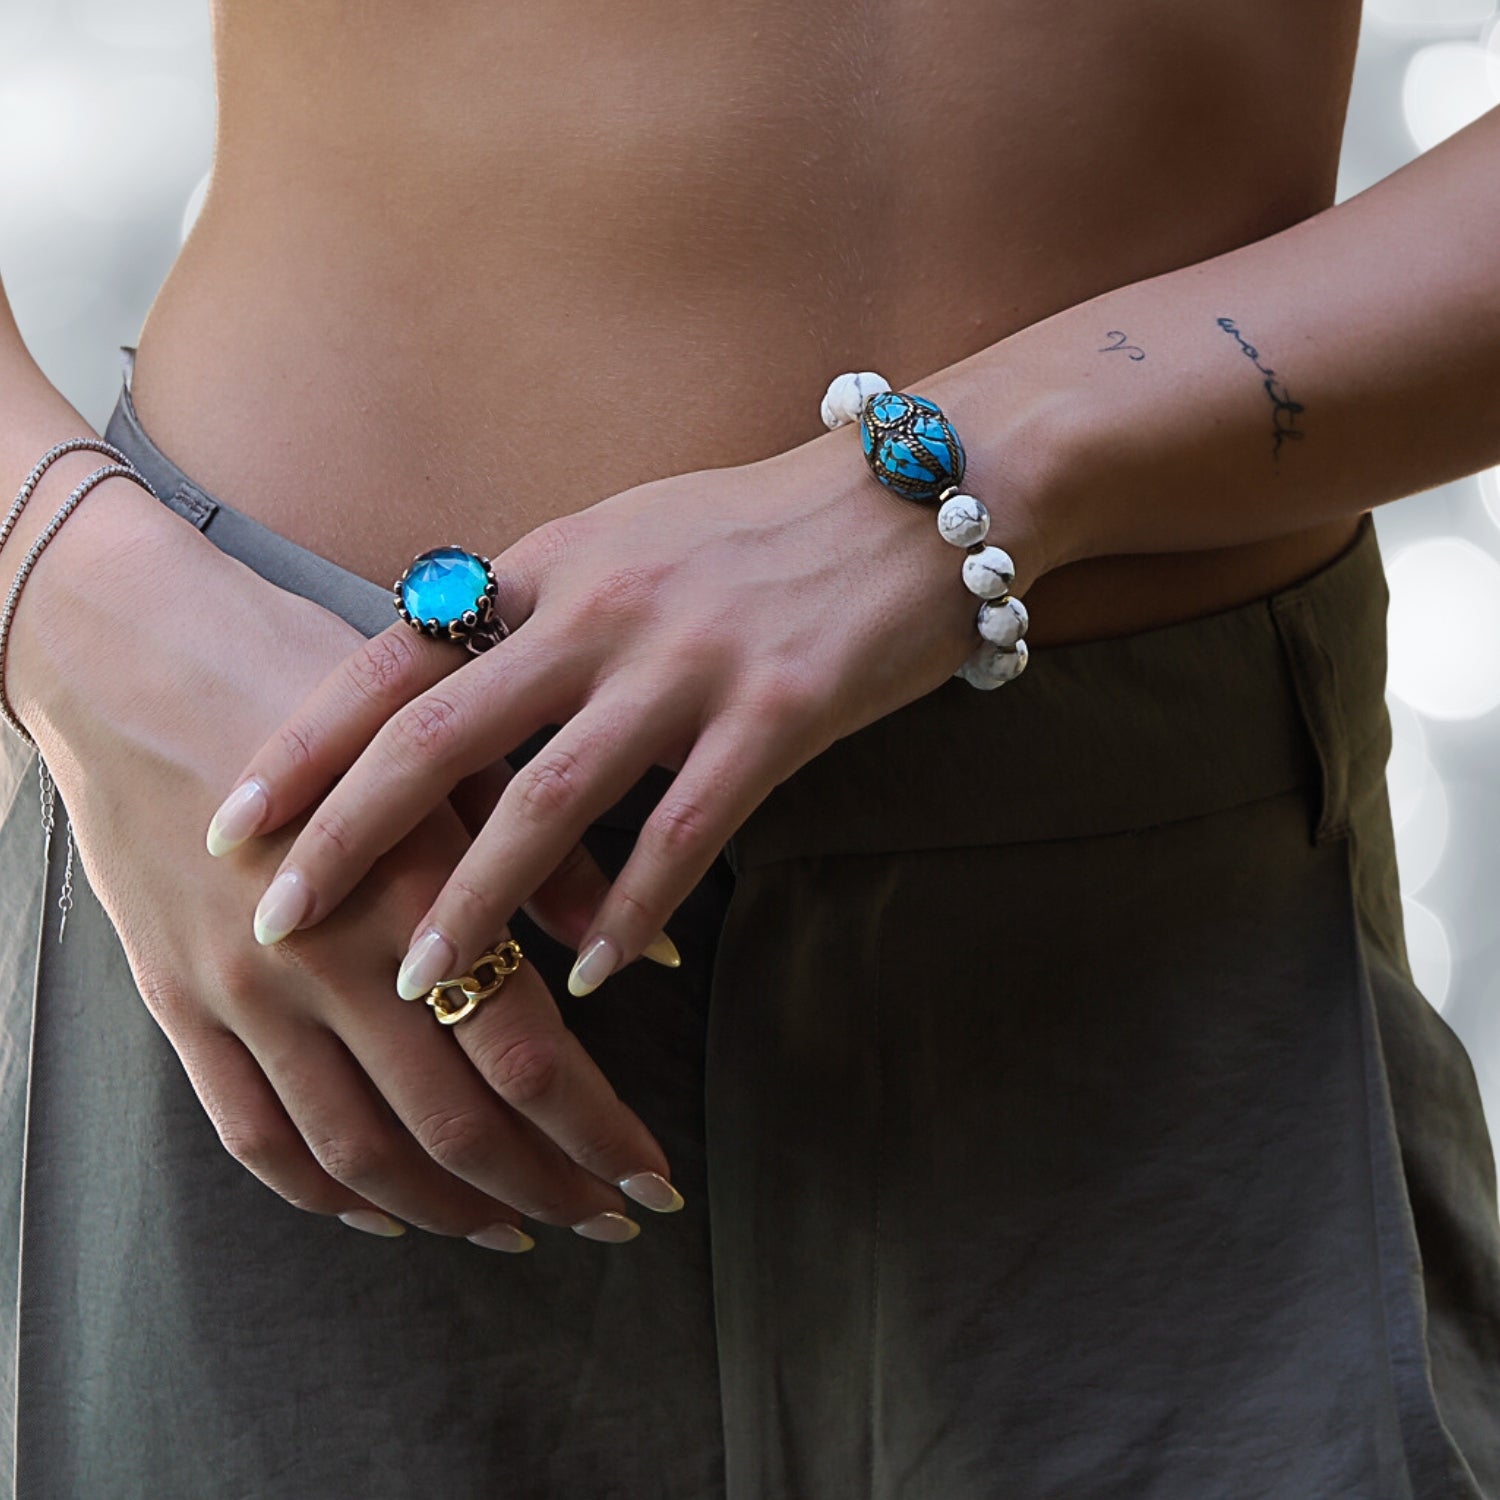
[(499, 964)]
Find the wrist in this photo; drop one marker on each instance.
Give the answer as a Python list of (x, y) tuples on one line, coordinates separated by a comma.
[(1028, 451), (922, 570), (86, 580)]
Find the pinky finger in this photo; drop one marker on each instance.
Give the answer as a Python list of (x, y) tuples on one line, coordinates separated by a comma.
[(256, 1131), (724, 779)]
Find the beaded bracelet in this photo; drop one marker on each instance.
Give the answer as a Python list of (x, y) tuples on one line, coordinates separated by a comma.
[(911, 448), (125, 469)]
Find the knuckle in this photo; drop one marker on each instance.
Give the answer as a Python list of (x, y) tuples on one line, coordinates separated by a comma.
[(294, 746), (795, 711), (523, 1069), (789, 699), (254, 1147), (331, 832), (165, 998), (383, 663), (637, 912), (682, 826), (459, 1139), (622, 591), (557, 538), (237, 968), (549, 784), (545, 548), (240, 985), (601, 1147), (465, 904), (428, 728), (357, 1161)]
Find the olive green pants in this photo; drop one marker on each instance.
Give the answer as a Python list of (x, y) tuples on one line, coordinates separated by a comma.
[(1057, 1118)]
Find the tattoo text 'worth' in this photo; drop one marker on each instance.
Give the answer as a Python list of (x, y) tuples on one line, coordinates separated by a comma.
[(1284, 411)]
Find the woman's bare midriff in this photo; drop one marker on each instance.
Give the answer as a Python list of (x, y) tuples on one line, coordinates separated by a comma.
[(465, 268)]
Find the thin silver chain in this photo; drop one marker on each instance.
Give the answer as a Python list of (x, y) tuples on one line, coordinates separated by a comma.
[(47, 785), (49, 822), (49, 803), (29, 484), (7, 612)]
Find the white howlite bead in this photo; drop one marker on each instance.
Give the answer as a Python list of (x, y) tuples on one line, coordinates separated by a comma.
[(975, 678), (1002, 622), (993, 666), (963, 520), (847, 395), (989, 572)]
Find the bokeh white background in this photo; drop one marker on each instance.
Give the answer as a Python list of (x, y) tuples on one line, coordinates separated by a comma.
[(106, 126)]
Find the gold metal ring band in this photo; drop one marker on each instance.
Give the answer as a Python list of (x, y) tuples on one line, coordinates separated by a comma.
[(488, 975)]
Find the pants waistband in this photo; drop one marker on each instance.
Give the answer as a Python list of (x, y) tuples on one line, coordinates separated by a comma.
[(1281, 693)]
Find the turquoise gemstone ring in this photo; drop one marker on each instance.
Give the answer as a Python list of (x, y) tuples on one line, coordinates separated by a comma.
[(449, 594)]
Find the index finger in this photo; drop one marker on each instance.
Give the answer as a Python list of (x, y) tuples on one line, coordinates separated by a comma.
[(327, 731)]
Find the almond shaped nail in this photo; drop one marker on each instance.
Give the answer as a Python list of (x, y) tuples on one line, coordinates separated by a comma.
[(595, 964), (651, 1190), (239, 816), (284, 906), (612, 1228), (372, 1221), (429, 959), (662, 950), (502, 1237)]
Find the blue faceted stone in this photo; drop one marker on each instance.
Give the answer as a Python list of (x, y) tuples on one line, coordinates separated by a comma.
[(443, 585)]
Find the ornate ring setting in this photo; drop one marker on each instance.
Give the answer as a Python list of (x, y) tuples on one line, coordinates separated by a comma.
[(449, 594)]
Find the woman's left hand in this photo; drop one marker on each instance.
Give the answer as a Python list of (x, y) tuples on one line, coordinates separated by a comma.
[(728, 624)]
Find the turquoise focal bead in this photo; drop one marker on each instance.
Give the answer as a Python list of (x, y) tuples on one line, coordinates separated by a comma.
[(910, 445), (447, 592)]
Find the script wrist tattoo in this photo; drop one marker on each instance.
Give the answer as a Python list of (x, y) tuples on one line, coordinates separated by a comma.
[(1284, 411)]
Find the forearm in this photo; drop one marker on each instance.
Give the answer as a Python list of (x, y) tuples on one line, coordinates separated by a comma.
[(1344, 362), (35, 416)]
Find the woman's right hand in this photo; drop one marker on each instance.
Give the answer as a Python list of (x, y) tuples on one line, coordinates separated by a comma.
[(318, 1078)]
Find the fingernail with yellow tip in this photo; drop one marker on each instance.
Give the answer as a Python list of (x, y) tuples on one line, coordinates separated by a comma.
[(613, 1228), (430, 959), (651, 1190), (238, 817), (662, 950), (595, 964), (502, 1237), (285, 904), (372, 1221)]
